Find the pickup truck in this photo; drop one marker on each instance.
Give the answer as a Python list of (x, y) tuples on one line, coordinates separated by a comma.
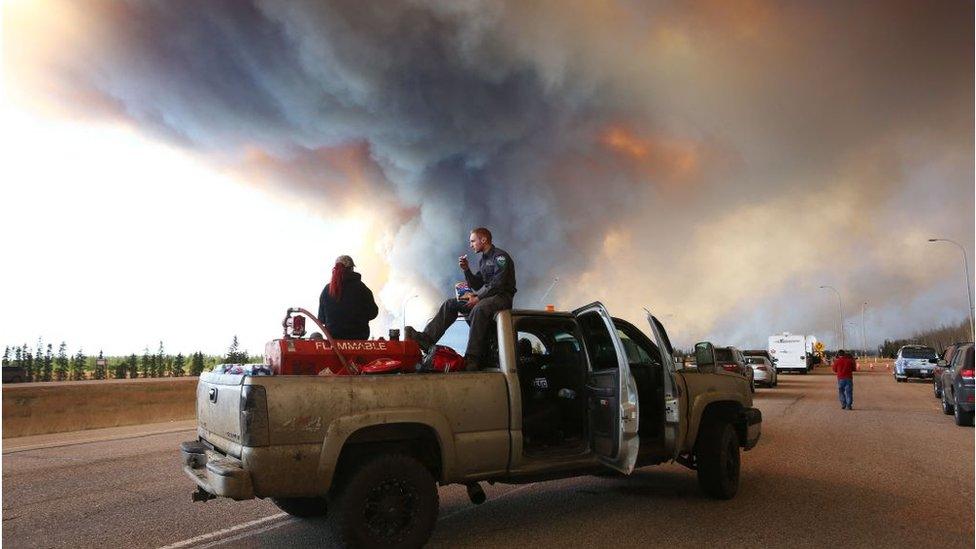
[(566, 394)]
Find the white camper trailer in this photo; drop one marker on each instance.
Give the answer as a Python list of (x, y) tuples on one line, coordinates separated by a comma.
[(790, 352)]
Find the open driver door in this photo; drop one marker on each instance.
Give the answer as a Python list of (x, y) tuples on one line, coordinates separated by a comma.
[(612, 406)]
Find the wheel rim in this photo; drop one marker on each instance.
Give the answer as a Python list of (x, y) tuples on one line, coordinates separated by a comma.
[(390, 509)]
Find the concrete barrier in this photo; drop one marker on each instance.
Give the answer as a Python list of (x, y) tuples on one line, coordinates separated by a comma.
[(40, 408)]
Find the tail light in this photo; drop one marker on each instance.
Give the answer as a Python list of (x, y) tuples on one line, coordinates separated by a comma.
[(298, 326), (730, 367), (254, 416), (762, 368), (966, 374)]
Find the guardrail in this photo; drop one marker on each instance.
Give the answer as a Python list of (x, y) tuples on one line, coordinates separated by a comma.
[(41, 408)]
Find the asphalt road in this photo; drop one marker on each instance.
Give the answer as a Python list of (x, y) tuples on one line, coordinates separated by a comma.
[(893, 472)]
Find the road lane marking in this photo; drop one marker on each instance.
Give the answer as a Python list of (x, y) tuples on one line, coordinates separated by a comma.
[(223, 532), (247, 534)]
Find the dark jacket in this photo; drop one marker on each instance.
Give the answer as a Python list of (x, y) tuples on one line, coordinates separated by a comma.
[(495, 276), (348, 318)]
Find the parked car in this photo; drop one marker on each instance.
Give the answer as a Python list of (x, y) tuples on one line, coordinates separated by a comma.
[(763, 371), (940, 367), (914, 361), (732, 360), (957, 386), (14, 374)]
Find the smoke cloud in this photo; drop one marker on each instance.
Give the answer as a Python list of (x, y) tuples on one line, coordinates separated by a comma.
[(715, 162)]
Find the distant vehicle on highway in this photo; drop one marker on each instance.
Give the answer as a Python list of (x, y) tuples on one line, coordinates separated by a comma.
[(957, 386), (790, 352), (941, 365), (763, 371), (914, 361), (732, 360), (14, 374)]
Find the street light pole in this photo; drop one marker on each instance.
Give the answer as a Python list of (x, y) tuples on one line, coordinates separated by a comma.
[(840, 311), (864, 339), (403, 313), (969, 292), (542, 302)]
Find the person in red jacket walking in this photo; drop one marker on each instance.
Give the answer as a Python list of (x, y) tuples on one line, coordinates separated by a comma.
[(845, 366)]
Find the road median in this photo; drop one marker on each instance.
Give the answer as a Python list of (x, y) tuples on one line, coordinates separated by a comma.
[(42, 408)]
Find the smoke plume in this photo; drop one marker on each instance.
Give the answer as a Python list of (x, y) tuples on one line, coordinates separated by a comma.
[(715, 162)]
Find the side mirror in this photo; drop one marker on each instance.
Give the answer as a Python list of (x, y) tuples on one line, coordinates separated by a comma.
[(704, 354)]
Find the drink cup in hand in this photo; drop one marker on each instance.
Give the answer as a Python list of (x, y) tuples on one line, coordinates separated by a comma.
[(463, 262)]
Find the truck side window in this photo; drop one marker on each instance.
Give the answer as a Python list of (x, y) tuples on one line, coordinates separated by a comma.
[(599, 344), (636, 354)]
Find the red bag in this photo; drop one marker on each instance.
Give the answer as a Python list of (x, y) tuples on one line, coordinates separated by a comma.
[(382, 366), (443, 359)]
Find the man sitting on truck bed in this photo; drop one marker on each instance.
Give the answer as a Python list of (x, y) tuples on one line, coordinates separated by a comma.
[(494, 290)]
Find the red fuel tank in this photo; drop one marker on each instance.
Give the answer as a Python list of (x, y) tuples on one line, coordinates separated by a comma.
[(311, 356)]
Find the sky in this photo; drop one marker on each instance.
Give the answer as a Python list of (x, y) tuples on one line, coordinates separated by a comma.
[(184, 172)]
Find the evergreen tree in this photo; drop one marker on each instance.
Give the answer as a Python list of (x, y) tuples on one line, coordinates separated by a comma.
[(61, 363), (234, 354), (28, 364), (6, 356), (146, 363), (48, 369), (99, 366), (160, 361), (121, 368), (196, 365), (36, 373), (178, 363), (78, 363), (133, 366), (231, 357), (18, 356)]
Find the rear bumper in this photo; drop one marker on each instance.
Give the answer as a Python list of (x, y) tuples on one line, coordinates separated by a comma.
[(216, 473), (914, 373), (749, 426)]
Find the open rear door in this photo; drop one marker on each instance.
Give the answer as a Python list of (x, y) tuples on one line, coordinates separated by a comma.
[(611, 392), (672, 410)]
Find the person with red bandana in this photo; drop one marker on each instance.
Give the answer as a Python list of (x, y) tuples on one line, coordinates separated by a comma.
[(346, 305)]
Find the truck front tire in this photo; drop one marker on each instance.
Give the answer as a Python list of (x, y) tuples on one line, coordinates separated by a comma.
[(717, 456), (302, 507), (390, 500)]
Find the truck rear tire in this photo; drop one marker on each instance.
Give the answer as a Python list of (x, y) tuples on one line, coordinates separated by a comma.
[(302, 507), (717, 456), (389, 500)]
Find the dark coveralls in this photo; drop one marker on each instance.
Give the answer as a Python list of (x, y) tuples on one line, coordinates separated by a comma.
[(494, 284)]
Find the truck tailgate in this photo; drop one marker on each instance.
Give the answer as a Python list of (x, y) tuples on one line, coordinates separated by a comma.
[(219, 411)]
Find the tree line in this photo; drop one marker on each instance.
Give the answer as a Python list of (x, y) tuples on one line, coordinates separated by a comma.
[(937, 338), (42, 363)]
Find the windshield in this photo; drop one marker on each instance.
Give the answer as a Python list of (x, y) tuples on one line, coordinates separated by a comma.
[(754, 360), (924, 352)]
